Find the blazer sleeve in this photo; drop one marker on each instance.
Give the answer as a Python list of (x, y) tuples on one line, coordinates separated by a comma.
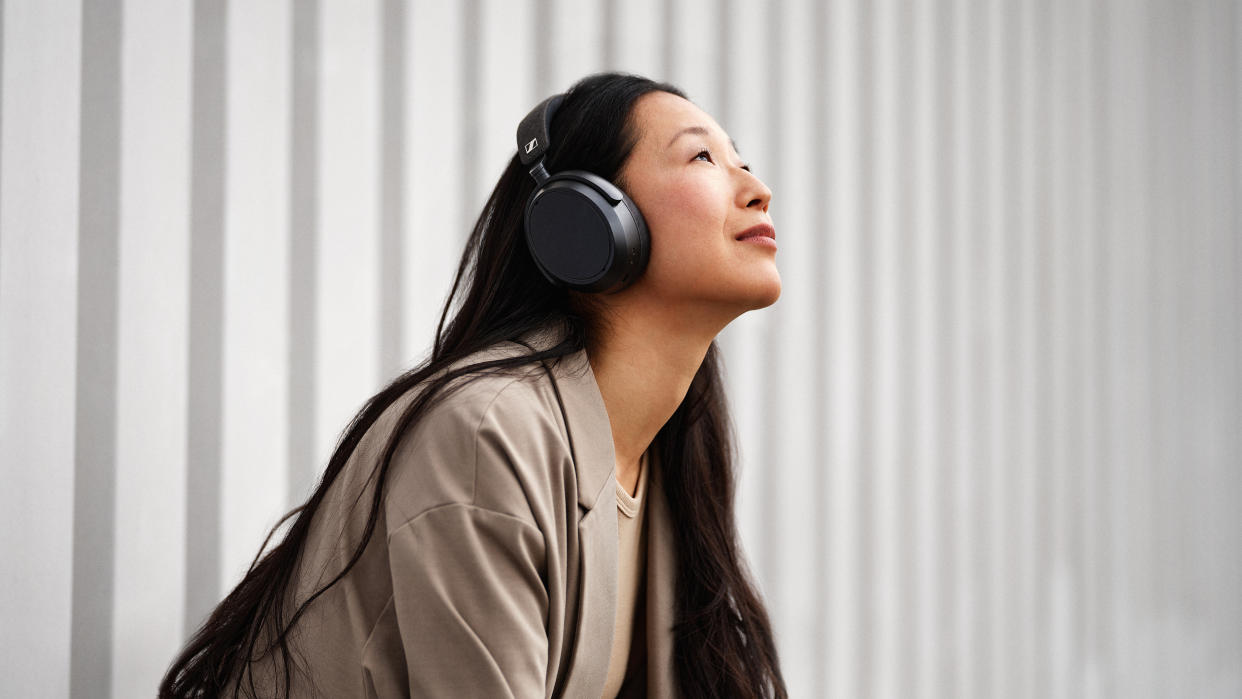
[(470, 602)]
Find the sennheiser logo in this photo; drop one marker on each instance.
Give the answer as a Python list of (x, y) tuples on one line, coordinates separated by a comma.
[(534, 142)]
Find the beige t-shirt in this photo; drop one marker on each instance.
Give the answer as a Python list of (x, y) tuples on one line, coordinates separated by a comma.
[(631, 569)]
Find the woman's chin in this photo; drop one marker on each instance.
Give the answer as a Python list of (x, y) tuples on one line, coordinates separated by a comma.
[(759, 293), (767, 293)]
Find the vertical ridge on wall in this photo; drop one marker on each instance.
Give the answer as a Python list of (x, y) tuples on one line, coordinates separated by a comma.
[(820, 672), (471, 17), (1168, 101), (95, 438), (1146, 652), (152, 337), (393, 183), (1042, 453), (668, 37), (304, 154), (39, 239), (943, 457), (637, 39), (924, 669), (961, 275), (254, 474), (609, 19), (438, 94), (1212, 119), (725, 62), (205, 361), (864, 333), (772, 561), (902, 328), (1063, 185), (347, 304), (999, 245), (1234, 300), (978, 428), (882, 431), (844, 383), (694, 53), (1233, 351), (787, 466), (547, 28), (1117, 234), (571, 39), (1098, 518), (1, 113), (505, 90)]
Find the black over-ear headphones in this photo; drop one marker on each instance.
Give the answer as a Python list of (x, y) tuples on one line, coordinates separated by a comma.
[(582, 230)]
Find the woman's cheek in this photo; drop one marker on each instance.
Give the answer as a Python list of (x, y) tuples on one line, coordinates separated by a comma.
[(690, 199)]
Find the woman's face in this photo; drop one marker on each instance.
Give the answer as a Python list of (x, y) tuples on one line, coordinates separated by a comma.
[(699, 198)]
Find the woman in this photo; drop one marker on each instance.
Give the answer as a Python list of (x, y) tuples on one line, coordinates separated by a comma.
[(463, 540)]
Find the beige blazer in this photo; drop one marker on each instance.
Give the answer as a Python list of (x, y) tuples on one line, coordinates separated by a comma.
[(493, 571)]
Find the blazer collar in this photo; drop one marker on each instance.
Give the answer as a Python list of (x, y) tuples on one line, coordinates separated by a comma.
[(586, 418)]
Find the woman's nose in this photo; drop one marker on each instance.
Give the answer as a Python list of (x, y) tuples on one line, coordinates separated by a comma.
[(752, 192)]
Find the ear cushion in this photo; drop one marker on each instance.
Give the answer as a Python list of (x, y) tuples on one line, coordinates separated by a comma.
[(584, 233)]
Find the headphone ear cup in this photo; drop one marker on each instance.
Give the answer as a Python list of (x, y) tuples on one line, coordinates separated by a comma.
[(585, 233)]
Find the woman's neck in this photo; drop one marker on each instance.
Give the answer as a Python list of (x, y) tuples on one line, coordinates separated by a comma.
[(644, 366)]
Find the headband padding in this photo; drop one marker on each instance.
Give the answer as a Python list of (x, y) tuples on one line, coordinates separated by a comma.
[(532, 133)]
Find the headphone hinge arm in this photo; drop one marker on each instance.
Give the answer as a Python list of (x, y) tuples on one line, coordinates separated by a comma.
[(539, 172)]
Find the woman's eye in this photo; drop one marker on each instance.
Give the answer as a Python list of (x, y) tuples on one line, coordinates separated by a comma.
[(705, 155)]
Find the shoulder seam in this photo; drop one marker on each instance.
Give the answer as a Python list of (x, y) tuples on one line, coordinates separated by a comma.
[(474, 477), (466, 505)]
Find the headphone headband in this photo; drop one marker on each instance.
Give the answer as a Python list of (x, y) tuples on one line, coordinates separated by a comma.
[(532, 134)]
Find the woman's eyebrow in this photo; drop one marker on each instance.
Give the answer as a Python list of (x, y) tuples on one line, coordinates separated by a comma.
[(700, 130)]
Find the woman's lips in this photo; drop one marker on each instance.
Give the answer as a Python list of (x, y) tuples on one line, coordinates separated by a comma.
[(762, 234), (760, 240)]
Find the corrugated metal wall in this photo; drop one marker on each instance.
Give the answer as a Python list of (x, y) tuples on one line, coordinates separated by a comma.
[(991, 433)]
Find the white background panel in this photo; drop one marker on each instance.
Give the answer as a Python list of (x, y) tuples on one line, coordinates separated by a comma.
[(638, 39), (1000, 246), (256, 280), (576, 42), (696, 50), (791, 465), (152, 338), (38, 305), (1126, 236), (844, 380), (506, 88), (1030, 228), (962, 427), (883, 214), (347, 292), (926, 434), (434, 143)]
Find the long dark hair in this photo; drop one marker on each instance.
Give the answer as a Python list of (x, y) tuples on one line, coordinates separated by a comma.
[(723, 640)]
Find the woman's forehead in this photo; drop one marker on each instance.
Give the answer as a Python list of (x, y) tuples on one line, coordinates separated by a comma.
[(662, 118)]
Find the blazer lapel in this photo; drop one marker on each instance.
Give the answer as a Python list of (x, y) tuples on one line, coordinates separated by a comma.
[(597, 603)]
